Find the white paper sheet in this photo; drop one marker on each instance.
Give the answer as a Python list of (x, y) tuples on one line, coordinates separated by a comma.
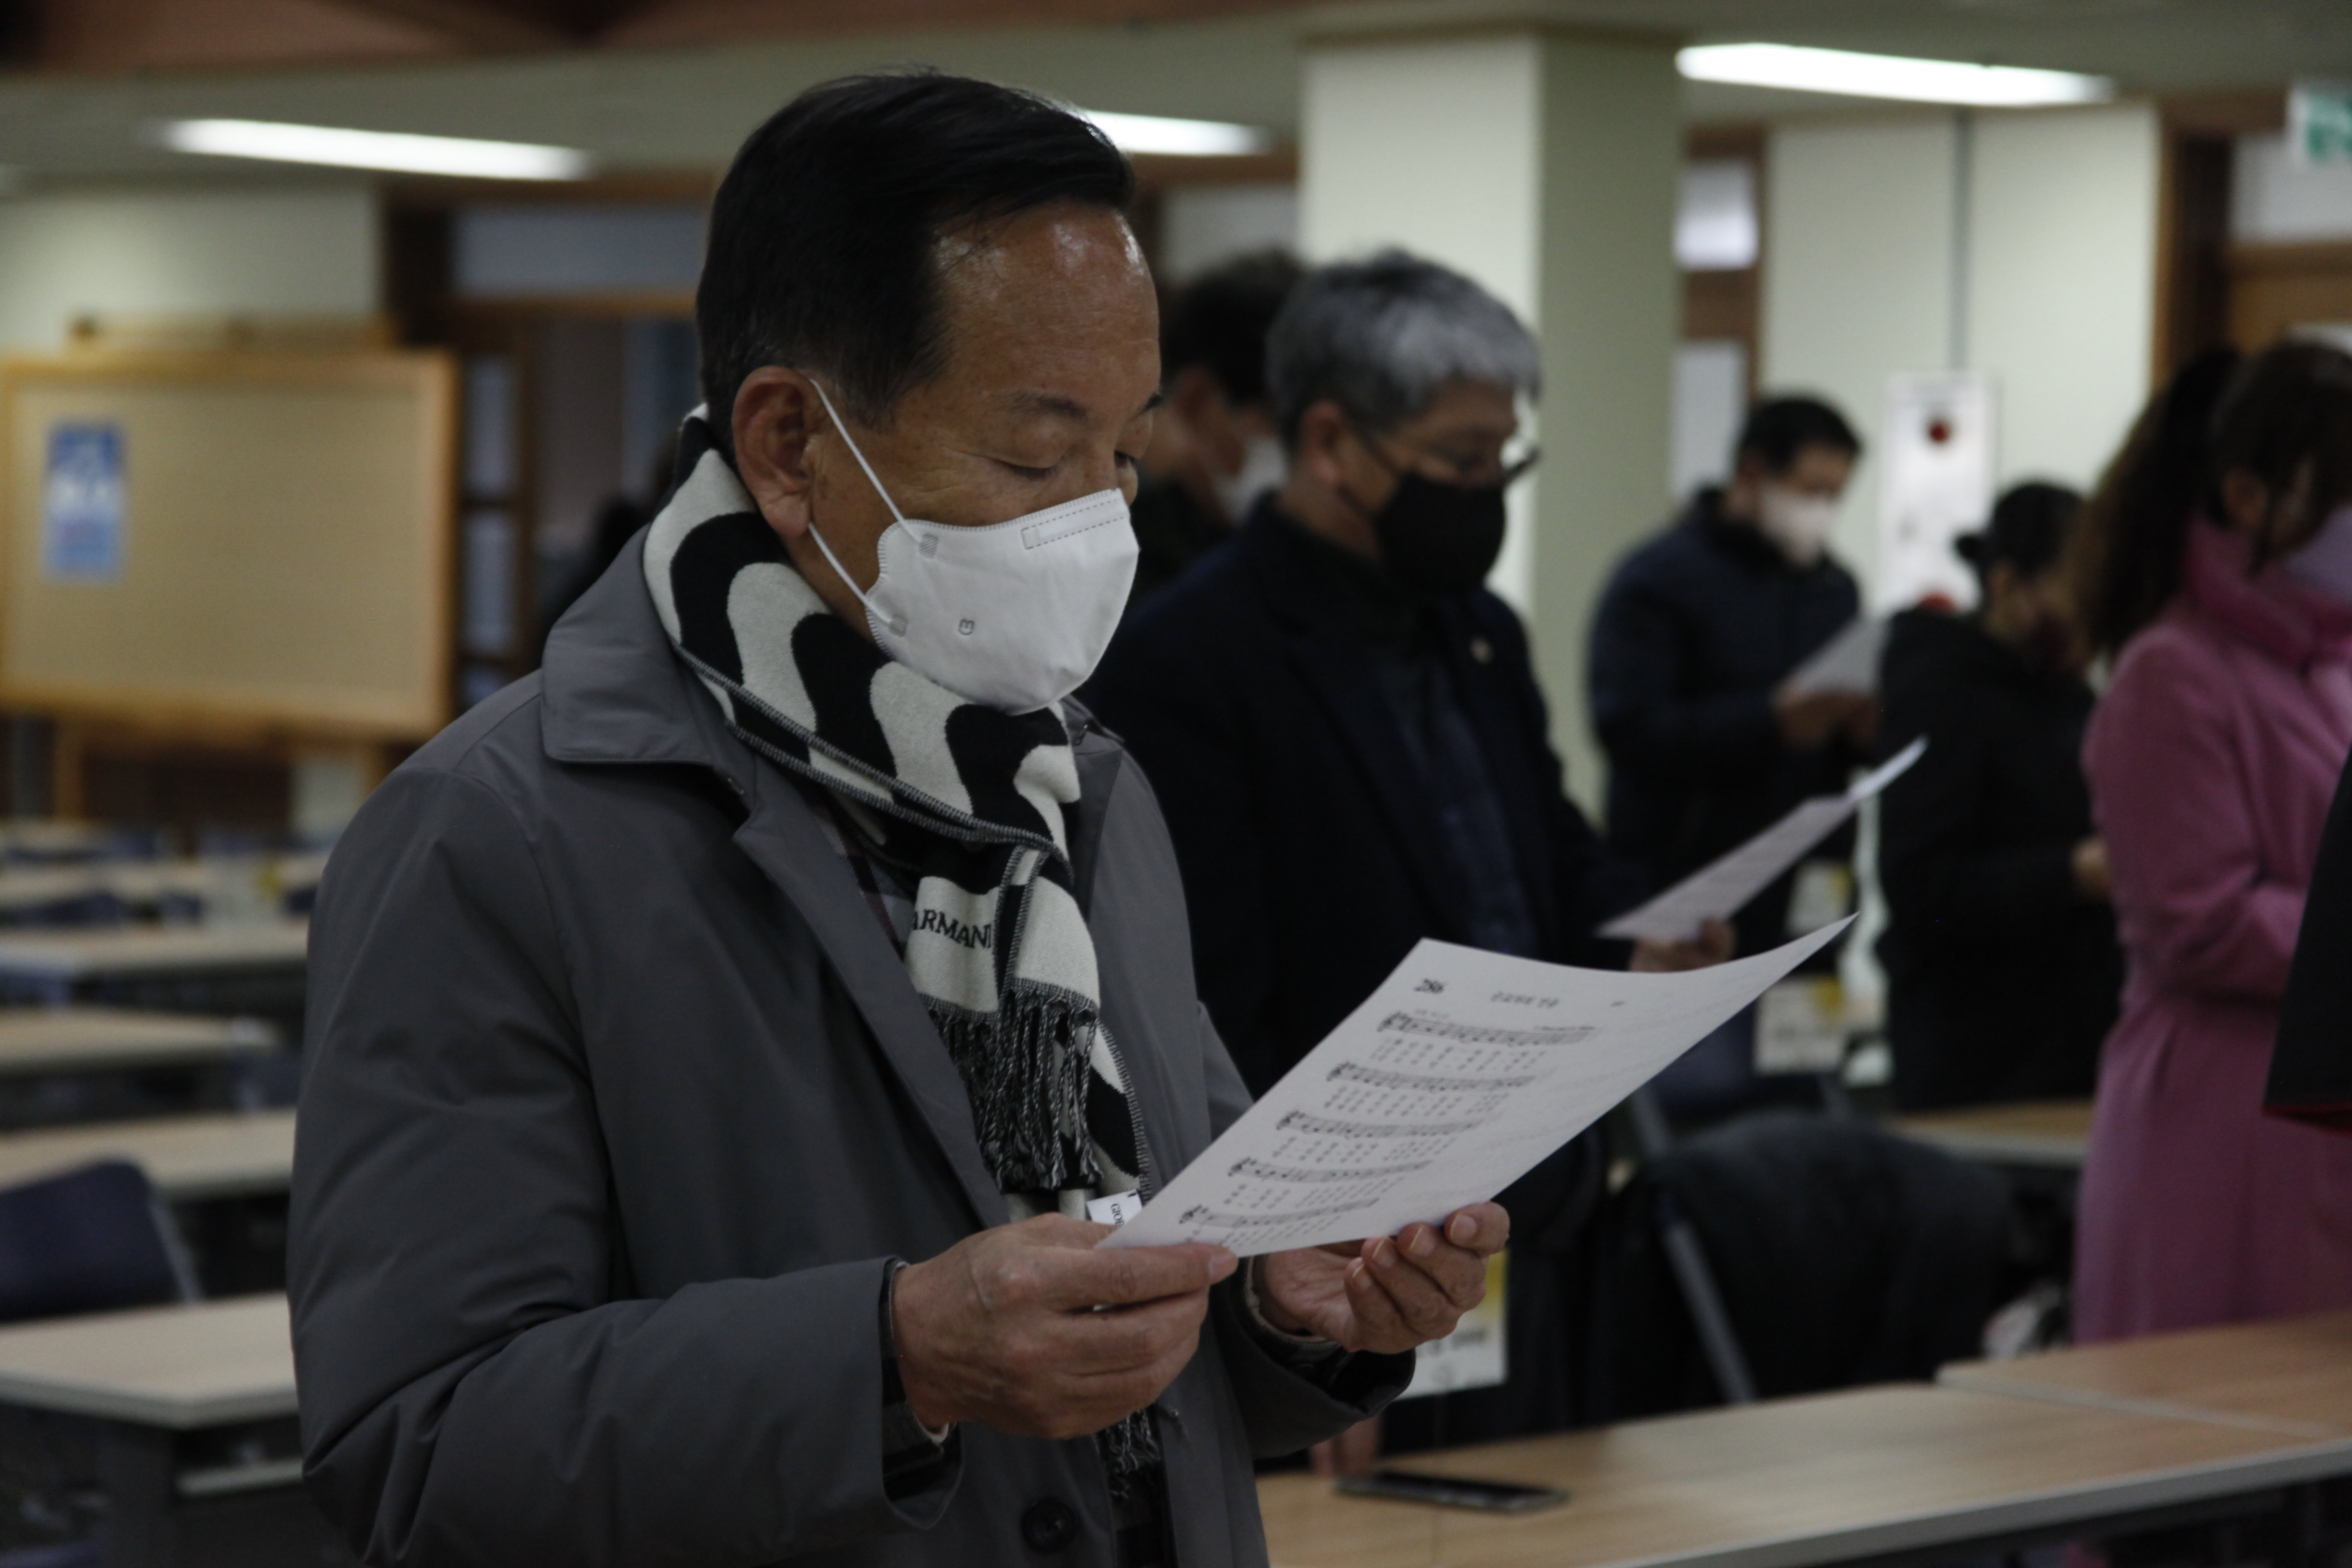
[(1847, 662), (1452, 1080), (1717, 892)]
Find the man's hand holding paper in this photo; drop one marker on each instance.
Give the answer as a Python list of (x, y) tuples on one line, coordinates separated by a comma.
[(1385, 1294)]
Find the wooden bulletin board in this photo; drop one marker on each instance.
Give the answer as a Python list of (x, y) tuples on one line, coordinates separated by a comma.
[(280, 543)]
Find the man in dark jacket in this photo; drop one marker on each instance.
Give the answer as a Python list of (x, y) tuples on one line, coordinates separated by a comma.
[(2002, 963), (1694, 639), (1343, 726), (788, 927)]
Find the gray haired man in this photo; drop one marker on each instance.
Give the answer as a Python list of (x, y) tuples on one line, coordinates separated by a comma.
[(1345, 732)]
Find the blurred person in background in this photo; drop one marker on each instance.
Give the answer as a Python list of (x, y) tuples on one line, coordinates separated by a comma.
[(1214, 448), (2215, 564), (1692, 647), (2002, 963), (1344, 729)]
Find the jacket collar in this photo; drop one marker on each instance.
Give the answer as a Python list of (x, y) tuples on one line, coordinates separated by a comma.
[(2267, 610), (614, 692)]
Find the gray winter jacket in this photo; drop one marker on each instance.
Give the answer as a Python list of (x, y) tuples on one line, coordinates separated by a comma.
[(618, 1105)]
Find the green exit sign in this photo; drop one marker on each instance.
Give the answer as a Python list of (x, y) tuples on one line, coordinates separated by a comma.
[(2319, 121)]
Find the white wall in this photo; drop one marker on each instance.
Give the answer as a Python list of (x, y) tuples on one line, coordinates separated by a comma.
[(2042, 270), (1201, 225), (289, 253)]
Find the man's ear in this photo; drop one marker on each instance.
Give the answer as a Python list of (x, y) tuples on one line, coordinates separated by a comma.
[(776, 412), (1323, 430)]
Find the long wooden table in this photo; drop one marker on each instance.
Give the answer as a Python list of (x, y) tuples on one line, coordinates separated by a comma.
[(191, 1410), (178, 1367), (1837, 1477), (2047, 1135), (78, 1038), (189, 1158), (105, 952), (2293, 1376)]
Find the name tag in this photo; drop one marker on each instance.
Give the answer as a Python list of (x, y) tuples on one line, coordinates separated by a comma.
[(1116, 1209)]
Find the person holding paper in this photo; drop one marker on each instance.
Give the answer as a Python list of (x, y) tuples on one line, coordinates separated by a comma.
[(2002, 963), (2216, 562), (1693, 645), (1344, 726), (720, 1040)]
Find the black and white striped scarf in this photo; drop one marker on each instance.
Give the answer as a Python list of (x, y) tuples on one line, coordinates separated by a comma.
[(975, 802)]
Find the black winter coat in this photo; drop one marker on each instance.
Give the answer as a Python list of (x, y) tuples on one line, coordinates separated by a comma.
[(1309, 848), (1694, 631), (2002, 980), (1310, 853)]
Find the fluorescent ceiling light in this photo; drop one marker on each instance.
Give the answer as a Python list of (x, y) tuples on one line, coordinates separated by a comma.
[(1888, 75), (1182, 138), (398, 150)]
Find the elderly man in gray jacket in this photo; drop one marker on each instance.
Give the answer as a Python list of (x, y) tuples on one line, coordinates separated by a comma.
[(788, 928)]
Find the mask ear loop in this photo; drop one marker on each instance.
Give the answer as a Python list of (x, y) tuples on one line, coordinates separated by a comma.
[(897, 623)]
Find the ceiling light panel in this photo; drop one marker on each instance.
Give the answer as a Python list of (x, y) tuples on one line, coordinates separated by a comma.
[(1888, 75), (395, 152), (1178, 138)]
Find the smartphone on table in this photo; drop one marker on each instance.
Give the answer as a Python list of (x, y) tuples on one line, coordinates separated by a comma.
[(1453, 1491)]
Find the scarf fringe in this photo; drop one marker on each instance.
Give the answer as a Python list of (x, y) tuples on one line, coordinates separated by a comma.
[(1025, 1069)]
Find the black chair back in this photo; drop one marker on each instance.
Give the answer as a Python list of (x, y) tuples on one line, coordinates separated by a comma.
[(88, 1241)]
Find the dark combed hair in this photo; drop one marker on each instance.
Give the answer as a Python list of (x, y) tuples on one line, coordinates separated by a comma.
[(2027, 531), (2283, 416), (824, 237), (1219, 322), (1778, 428)]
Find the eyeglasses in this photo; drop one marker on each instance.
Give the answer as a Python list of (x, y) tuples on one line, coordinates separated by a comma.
[(1483, 471)]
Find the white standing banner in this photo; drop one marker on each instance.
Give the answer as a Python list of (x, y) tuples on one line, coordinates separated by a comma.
[(1935, 484)]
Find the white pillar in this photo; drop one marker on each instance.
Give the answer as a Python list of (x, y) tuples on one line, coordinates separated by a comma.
[(1544, 164)]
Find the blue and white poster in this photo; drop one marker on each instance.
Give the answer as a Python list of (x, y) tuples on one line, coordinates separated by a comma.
[(81, 504)]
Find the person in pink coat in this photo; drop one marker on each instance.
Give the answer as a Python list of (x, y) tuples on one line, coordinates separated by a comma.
[(2218, 559)]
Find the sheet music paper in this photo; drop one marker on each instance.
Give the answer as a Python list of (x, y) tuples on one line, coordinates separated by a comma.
[(1847, 662), (1451, 1081), (1719, 891)]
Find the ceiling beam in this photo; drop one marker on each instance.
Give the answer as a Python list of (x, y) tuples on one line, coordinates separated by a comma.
[(497, 26)]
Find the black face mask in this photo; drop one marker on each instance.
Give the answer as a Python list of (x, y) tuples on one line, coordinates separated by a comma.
[(1439, 539)]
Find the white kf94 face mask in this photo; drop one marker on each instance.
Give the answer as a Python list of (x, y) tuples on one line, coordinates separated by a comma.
[(1013, 616)]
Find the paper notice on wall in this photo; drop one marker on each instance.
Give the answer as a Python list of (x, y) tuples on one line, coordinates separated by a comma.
[(1449, 1083), (82, 504), (1937, 483), (1719, 891)]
